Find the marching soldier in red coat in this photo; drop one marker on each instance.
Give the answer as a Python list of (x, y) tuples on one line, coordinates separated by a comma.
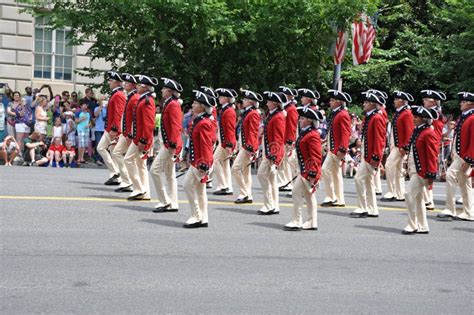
[(247, 135), (432, 99), (339, 134), (402, 128), (373, 142), (460, 171), (163, 172), (273, 142), (143, 123), (226, 120), (309, 151), (124, 141), (378, 182), (309, 97), (113, 127), (422, 167), (287, 171), (200, 158)]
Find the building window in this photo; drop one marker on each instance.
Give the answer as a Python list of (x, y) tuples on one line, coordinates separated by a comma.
[(53, 56)]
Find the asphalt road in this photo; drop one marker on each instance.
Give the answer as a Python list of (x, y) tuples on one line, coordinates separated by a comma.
[(70, 244)]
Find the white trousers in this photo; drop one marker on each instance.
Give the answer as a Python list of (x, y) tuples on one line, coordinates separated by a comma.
[(454, 177), (287, 170), (136, 168), (103, 149), (196, 194), (303, 192), (118, 156), (242, 174), (221, 172), (163, 174), (394, 174), (332, 179), (415, 204), (268, 181), (365, 187)]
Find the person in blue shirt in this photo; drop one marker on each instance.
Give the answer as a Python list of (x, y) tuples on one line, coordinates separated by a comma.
[(100, 113), (83, 139)]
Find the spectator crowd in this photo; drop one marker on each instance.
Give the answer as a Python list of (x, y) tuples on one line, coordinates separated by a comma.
[(41, 128)]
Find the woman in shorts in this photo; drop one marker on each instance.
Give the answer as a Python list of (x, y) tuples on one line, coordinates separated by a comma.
[(41, 116)]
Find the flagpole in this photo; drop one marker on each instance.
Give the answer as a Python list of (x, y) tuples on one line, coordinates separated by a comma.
[(337, 77)]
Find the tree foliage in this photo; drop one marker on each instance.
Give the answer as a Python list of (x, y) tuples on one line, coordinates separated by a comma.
[(262, 44), (253, 44), (420, 45)]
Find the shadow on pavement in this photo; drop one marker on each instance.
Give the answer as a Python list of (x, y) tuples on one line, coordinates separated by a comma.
[(135, 208), (269, 225), (86, 183), (240, 210), (469, 230), (101, 189), (336, 213), (380, 228), (169, 223)]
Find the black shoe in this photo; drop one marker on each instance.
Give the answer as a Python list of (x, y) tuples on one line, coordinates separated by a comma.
[(204, 224), (403, 199), (458, 202), (243, 200), (193, 225), (388, 199), (422, 232), (223, 192), (284, 189), (124, 189), (271, 212), (293, 228), (166, 208), (341, 205), (378, 194), (359, 215), (136, 197), (429, 208), (113, 180), (460, 219), (328, 203), (372, 215), (405, 232)]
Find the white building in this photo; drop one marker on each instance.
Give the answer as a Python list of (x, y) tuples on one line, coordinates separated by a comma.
[(31, 55)]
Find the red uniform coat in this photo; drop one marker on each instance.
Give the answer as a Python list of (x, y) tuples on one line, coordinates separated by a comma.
[(425, 151), (200, 146), (171, 124), (339, 126), (291, 123), (309, 152), (130, 105), (438, 126), (227, 122), (374, 137), (464, 137), (402, 127), (384, 113), (115, 111), (274, 135), (249, 123), (144, 121)]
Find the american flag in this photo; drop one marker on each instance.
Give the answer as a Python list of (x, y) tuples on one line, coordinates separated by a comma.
[(341, 44), (363, 37)]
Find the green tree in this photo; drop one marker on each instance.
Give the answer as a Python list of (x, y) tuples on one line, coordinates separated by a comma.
[(419, 45), (252, 44)]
